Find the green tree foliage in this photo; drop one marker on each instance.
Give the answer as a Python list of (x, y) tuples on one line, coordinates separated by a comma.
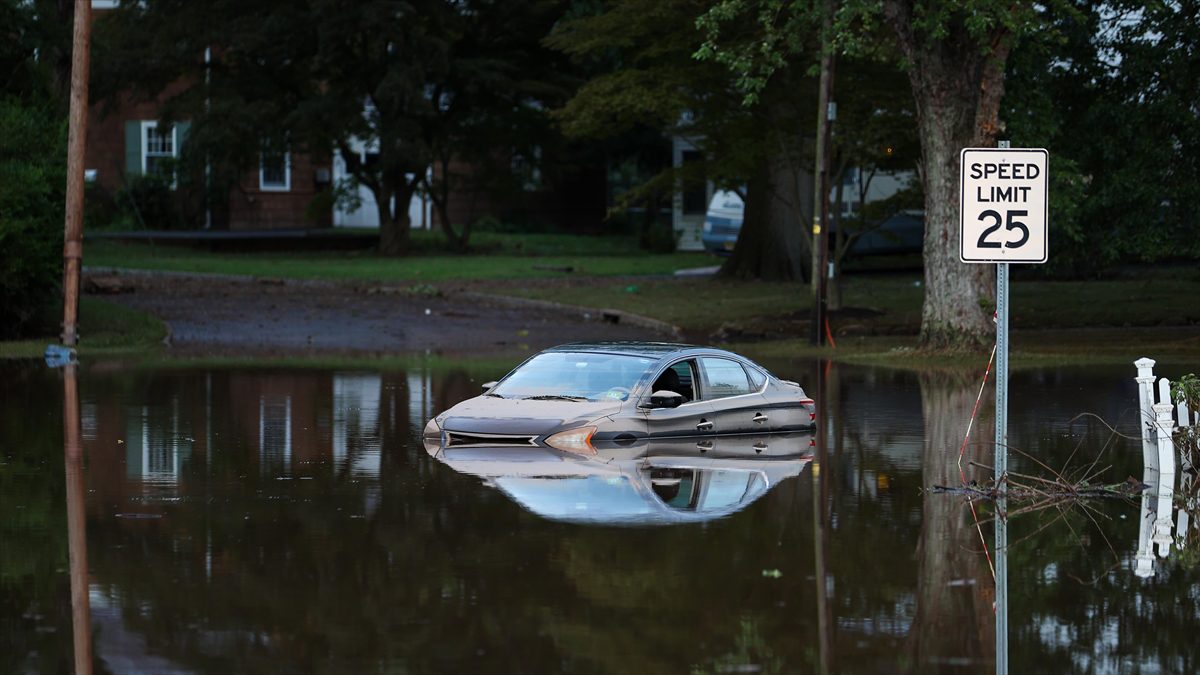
[(33, 176), (32, 164), (1112, 92), (955, 54), (644, 76), (419, 82), (35, 634), (758, 143)]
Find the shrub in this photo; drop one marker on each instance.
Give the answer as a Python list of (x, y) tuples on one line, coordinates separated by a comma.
[(150, 201), (32, 187)]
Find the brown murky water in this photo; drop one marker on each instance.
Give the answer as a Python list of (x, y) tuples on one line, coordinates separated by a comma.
[(282, 521)]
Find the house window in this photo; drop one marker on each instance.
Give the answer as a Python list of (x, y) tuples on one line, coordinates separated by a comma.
[(158, 148), (527, 169), (275, 171)]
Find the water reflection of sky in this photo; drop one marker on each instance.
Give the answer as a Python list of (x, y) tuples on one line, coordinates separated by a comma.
[(267, 520)]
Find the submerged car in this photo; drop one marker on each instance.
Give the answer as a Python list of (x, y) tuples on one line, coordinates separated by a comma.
[(576, 396)]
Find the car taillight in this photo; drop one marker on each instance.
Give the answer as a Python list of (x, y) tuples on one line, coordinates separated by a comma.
[(811, 406)]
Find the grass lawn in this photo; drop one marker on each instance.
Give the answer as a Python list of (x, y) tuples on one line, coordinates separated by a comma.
[(1029, 349), (892, 301), (107, 330), (499, 257), (1153, 308)]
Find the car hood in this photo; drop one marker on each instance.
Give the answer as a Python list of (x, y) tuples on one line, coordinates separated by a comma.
[(491, 415)]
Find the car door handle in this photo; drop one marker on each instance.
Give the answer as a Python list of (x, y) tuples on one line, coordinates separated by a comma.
[(704, 425), (760, 418), (704, 446)]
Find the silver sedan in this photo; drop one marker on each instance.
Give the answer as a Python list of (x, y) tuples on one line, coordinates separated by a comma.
[(574, 396)]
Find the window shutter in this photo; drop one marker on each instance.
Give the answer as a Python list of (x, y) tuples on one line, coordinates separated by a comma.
[(181, 136), (133, 148)]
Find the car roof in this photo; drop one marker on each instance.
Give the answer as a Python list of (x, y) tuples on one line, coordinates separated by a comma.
[(656, 350)]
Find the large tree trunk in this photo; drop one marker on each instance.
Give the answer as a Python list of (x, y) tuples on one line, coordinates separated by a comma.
[(954, 621), (957, 83), (394, 224), (771, 244)]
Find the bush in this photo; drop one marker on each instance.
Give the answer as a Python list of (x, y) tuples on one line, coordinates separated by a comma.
[(150, 201), (32, 187), (658, 237)]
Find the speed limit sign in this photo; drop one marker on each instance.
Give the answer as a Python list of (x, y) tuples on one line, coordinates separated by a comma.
[(1002, 208)]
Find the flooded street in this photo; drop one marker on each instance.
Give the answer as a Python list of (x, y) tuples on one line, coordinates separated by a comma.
[(292, 521)]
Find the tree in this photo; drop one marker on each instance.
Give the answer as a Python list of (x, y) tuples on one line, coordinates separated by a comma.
[(955, 55), (1112, 90), (644, 76), (413, 82), (32, 161), (875, 133)]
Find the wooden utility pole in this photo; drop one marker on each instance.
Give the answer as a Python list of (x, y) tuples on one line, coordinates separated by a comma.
[(76, 141), (821, 184)]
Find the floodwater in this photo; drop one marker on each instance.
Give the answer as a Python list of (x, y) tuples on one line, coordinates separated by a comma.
[(291, 521)]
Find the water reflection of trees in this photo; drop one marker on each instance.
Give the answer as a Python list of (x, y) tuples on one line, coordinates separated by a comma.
[(418, 566), (874, 505), (325, 568), (35, 594), (954, 625), (1081, 609)]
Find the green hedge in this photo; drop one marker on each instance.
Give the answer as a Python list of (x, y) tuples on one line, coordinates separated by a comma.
[(32, 186)]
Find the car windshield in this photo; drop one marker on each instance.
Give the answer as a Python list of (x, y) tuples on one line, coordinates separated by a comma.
[(574, 376)]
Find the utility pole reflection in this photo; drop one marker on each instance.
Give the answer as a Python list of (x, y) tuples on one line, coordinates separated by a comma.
[(81, 614), (820, 473)]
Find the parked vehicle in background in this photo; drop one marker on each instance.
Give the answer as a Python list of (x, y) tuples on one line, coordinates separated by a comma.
[(902, 232), (722, 222)]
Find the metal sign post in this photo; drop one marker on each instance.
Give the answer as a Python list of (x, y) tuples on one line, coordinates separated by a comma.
[(1000, 462), (1003, 213)]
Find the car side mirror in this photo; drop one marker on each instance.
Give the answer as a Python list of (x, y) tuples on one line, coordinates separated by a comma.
[(662, 399), (487, 386)]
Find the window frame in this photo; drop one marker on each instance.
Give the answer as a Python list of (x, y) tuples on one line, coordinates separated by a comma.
[(750, 372), (750, 389), (147, 127), (286, 186), (697, 386)]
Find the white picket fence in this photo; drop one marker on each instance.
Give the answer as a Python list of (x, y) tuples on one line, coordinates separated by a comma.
[(1159, 419)]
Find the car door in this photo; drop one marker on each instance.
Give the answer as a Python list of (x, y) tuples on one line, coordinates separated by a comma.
[(737, 405), (692, 418)]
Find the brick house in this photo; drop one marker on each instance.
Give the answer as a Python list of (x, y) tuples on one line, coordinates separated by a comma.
[(125, 141)]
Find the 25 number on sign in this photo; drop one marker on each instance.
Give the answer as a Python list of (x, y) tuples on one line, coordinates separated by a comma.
[(1010, 224)]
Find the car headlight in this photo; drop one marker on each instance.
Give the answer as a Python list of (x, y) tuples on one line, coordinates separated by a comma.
[(708, 226), (577, 441), (432, 430)]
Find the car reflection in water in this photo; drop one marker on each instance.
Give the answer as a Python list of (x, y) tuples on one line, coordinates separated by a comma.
[(646, 482)]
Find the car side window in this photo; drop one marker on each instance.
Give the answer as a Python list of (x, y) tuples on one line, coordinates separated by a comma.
[(680, 378), (723, 377), (757, 378)]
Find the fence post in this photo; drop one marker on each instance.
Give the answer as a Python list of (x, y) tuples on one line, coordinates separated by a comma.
[(1145, 380), (1145, 550), (1165, 425)]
